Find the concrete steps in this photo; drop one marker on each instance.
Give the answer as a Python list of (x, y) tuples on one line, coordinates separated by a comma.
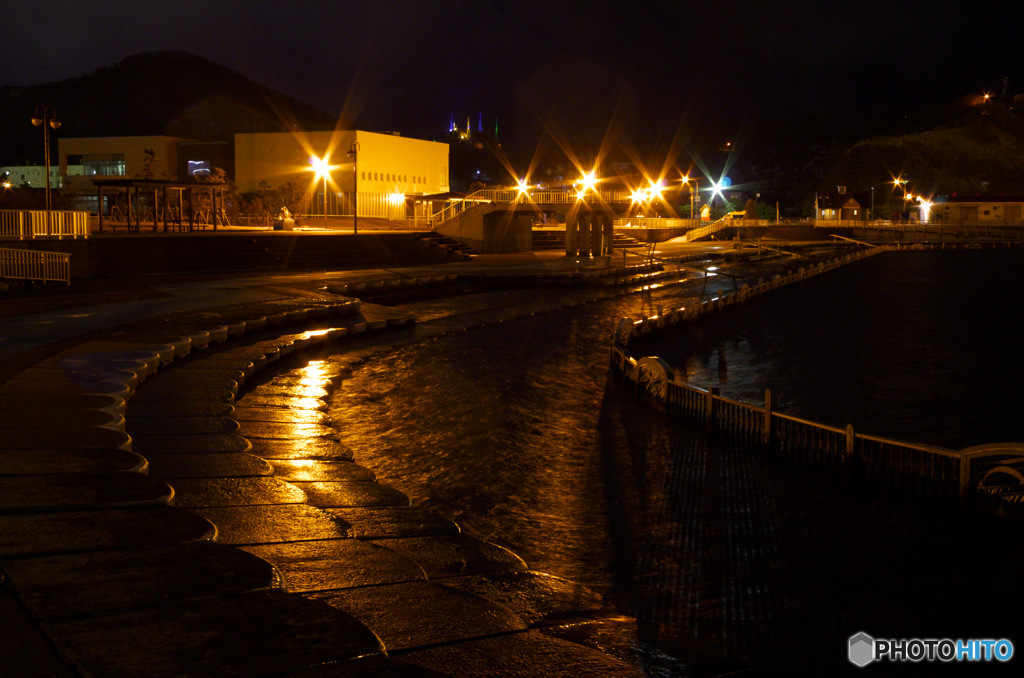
[(158, 534)]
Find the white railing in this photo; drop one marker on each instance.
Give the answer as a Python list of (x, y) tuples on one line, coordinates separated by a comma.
[(18, 264), (31, 224), (506, 196)]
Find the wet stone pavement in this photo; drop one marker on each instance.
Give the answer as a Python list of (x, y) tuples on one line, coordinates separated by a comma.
[(174, 503)]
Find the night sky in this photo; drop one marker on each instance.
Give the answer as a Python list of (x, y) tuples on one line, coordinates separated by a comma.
[(644, 75)]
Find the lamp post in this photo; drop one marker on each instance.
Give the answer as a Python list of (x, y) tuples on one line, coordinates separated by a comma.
[(693, 195), (902, 183), (46, 117), (353, 152)]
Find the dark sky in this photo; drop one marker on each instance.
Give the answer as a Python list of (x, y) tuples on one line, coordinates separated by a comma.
[(646, 73)]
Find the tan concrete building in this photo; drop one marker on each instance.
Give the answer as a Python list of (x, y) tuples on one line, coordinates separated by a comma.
[(380, 178)]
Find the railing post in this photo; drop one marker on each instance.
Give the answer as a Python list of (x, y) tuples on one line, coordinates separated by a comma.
[(711, 407), (766, 427), (965, 478), (849, 451)]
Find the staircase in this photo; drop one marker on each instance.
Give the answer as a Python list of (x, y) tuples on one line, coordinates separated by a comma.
[(555, 240), (453, 246)]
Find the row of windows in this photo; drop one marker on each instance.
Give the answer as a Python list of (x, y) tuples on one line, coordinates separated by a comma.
[(387, 176)]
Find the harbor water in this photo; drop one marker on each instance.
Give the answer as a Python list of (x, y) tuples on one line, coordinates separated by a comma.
[(517, 432)]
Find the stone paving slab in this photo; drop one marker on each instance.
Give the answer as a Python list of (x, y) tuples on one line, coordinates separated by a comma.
[(278, 415), (259, 491), (271, 524), (285, 431), (182, 408), (188, 444), (255, 634), (539, 599), (49, 533), (206, 465), (176, 379), (371, 667), (182, 392), (455, 555), (36, 461), (41, 389), (519, 655), (336, 564), (71, 438), (37, 415), (84, 377), (315, 448), (109, 352), (82, 401), (315, 470), (24, 651), (109, 581), (419, 614), (144, 425), (382, 523), (342, 494), (282, 401), (295, 388), (80, 492)]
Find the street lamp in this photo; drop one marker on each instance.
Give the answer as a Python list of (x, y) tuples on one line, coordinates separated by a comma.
[(322, 169), (353, 152), (46, 117), (902, 183), (693, 195)]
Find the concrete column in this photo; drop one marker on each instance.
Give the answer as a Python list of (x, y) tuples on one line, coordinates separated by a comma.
[(571, 227), (609, 235), (585, 237), (597, 237)]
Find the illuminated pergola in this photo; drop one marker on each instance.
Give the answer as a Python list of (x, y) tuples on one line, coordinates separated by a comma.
[(166, 195)]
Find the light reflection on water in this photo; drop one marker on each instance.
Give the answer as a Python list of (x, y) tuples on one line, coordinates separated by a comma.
[(514, 432), (915, 345)]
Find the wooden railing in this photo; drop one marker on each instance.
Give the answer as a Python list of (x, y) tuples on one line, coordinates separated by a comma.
[(16, 264), (33, 224), (905, 465)]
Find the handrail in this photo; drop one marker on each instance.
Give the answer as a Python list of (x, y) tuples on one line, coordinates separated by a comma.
[(946, 470), (506, 196), (18, 264), (34, 224)]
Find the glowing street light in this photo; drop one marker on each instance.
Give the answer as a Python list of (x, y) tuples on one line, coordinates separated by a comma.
[(322, 169), (523, 188), (587, 182), (901, 183), (693, 195)]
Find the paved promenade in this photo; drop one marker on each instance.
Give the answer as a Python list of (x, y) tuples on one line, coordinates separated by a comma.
[(174, 502)]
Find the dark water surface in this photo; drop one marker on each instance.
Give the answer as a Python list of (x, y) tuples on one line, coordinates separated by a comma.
[(921, 346), (516, 431)]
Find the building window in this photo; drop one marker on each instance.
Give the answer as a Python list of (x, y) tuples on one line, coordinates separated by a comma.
[(107, 165)]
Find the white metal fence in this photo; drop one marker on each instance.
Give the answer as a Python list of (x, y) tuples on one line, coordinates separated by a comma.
[(507, 196), (18, 264), (32, 224)]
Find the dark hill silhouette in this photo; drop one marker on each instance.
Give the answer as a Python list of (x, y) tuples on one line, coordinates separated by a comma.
[(171, 93)]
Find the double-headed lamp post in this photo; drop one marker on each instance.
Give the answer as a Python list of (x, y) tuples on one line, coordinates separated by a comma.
[(353, 152), (46, 117)]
